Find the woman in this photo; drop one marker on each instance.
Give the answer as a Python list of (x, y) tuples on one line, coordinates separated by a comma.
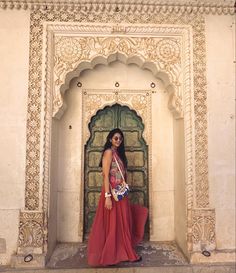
[(118, 226)]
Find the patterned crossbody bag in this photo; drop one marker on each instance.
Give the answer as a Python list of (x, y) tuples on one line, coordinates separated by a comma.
[(121, 190)]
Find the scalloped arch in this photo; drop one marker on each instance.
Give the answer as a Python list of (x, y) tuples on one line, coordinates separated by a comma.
[(110, 106), (137, 59)]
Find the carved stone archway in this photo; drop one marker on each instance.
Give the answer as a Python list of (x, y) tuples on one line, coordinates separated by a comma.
[(89, 45), (168, 48)]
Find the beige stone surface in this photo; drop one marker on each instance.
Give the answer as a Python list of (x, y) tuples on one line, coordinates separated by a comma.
[(162, 143), (52, 212), (220, 39), (216, 257), (18, 261), (69, 176), (9, 229), (163, 216), (3, 245), (14, 54), (180, 213), (68, 215)]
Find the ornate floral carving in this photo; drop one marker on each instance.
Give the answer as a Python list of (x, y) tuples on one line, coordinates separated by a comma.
[(140, 101), (162, 52), (168, 51), (31, 229), (200, 109), (68, 50), (203, 229), (91, 104)]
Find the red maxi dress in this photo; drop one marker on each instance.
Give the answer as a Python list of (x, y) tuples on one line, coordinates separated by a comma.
[(115, 232)]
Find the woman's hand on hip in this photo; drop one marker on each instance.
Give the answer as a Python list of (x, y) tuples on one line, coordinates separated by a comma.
[(108, 203)]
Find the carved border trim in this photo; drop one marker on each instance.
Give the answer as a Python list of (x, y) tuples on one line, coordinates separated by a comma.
[(199, 181), (168, 7)]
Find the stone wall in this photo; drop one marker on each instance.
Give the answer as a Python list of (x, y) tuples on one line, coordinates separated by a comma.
[(14, 56), (220, 41)]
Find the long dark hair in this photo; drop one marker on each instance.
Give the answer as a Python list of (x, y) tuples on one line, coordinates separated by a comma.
[(120, 149)]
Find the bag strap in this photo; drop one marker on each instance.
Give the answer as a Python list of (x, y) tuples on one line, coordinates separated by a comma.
[(119, 168)]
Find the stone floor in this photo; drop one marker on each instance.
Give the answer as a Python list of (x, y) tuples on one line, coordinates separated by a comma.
[(156, 258), (160, 269), (153, 254)]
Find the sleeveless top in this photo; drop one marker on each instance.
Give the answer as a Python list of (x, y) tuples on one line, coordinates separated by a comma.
[(114, 174)]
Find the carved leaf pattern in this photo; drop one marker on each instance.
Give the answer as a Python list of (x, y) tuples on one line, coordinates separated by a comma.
[(70, 51), (203, 229), (31, 230)]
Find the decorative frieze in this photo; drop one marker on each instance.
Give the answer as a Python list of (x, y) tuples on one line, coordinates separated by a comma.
[(75, 53), (143, 6)]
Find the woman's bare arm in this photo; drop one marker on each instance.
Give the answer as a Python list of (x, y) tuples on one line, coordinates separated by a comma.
[(106, 164)]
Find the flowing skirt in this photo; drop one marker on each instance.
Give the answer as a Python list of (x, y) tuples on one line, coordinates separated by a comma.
[(115, 232)]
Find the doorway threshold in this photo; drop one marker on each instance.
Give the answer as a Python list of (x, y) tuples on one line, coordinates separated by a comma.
[(74, 255)]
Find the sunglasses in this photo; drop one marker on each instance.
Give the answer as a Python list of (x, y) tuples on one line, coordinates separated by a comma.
[(116, 138)]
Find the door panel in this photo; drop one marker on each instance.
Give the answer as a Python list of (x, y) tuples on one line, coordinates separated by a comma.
[(136, 151)]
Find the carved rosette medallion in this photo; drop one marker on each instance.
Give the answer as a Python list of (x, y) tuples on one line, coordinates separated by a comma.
[(68, 50), (168, 51)]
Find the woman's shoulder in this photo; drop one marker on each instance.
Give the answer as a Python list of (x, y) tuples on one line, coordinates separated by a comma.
[(108, 152)]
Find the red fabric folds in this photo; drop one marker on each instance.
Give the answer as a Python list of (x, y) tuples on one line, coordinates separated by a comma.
[(115, 232)]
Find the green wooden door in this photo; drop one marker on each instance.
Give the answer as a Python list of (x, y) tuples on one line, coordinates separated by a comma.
[(136, 151)]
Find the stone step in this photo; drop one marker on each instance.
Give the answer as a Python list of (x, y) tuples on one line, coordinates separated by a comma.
[(226, 268)]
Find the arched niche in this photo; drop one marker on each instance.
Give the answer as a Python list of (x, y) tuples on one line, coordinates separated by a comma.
[(71, 60), (92, 98)]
